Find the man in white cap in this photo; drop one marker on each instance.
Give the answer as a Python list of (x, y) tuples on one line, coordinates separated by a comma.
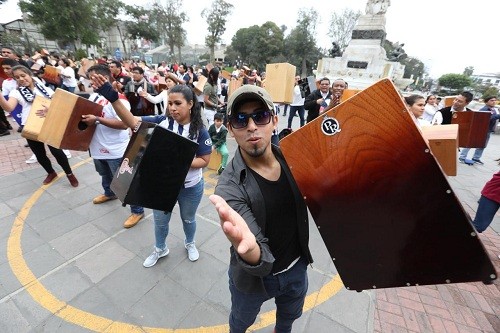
[(264, 217)]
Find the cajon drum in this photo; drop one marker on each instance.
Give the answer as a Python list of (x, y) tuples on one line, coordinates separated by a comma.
[(448, 100), (443, 142), (225, 74), (348, 93), (34, 123), (85, 65), (162, 84), (200, 84), (473, 127), (63, 127), (280, 80), (215, 160), (154, 167), (233, 85), (51, 75), (383, 207)]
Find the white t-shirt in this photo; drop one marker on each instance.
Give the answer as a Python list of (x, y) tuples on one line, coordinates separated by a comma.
[(27, 105), (68, 78), (8, 85), (108, 143), (429, 112), (297, 100)]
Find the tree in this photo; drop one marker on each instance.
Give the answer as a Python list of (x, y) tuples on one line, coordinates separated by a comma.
[(454, 81), (141, 26), (490, 91), (216, 17), (242, 40), (341, 27), (469, 70), (59, 20), (107, 17), (300, 44), (169, 20), (413, 67)]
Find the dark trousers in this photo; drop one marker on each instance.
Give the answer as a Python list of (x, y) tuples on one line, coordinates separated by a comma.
[(293, 110), (4, 123), (38, 148), (288, 290), (485, 213)]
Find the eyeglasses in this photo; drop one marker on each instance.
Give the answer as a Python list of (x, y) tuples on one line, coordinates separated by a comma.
[(260, 118)]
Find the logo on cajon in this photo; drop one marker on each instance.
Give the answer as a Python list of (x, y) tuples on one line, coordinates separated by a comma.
[(125, 167), (330, 126)]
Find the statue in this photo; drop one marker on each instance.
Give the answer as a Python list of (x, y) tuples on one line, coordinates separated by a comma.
[(397, 53), (335, 50), (377, 7)]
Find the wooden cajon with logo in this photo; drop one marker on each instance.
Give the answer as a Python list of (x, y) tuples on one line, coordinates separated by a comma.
[(383, 207), (280, 80), (443, 142), (34, 123), (63, 127)]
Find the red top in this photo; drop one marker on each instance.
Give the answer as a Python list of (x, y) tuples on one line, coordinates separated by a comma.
[(492, 188)]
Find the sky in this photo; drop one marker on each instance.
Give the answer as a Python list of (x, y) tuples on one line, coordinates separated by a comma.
[(446, 36)]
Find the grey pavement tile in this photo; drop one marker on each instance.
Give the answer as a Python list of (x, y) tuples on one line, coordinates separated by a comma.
[(8, 281), (18, 202), (56, 225), (77, 240), (58, 325), (9, 180), (11, 319), (350, 309), (96, 302), (43, 259), (5, 210), (79, 196), (316, 322), (103, 260), (165, 305), (139, 239), (93, 212), (199, 276), (67, 283), (30, 239), (128, 284), (202, 316), (17, 189), (219, 296), (217, 246), (46, 210), (34, 313), (112, 217)]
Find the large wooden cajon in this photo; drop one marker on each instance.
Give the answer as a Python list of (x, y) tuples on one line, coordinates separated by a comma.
[(448, 100), (154, 167), (383, 207), (63, 127), (443, 142), (348, 93), (52, 75), (233, 85), (200, 84), (473, 128), (34, 123), (225, 74), (280, 80), (215, 160)]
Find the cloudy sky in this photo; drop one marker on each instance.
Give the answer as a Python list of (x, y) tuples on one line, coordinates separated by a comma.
[(446, 36)]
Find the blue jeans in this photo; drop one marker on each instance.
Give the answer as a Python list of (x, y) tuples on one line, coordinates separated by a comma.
[(294, 109), (189, 200), (288, 290), (478, 152), (70, 89), (107, 169), (485, 213)]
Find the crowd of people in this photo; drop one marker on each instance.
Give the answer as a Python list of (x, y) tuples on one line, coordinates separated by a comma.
[(262, 213)]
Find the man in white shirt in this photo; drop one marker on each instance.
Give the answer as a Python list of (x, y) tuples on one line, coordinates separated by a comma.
[(297, 104)]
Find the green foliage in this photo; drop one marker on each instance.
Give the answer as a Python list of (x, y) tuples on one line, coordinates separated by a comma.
[(168, 20), (490, 91), (341, 27), (413, 67), (80, 53), (141, 26), (216, 17), (258, 46), (300, 44), (468, 71), (454, 81)]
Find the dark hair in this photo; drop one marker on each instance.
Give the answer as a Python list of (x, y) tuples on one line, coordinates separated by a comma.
[(325, 79), (65, 61), (22, 69), (213, 75), (10, 62), (486, 99), (12, 49), (218, 116), (100, 69), (410, 100), (116, 63), (138, 69), (468, 96), (195, 116), (428, 97)]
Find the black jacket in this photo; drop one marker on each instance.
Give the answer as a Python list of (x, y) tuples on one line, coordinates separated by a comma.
[(446, 112), (311, 106)]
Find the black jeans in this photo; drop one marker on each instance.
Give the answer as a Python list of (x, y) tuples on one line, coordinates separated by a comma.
[(38, 149)]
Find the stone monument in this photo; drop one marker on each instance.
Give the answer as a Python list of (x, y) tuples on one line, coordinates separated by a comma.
[(364, 60)]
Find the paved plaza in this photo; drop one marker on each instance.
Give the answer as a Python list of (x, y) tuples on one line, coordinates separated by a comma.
[(67, 265)]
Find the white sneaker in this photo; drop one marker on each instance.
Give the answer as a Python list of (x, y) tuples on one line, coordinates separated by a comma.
[(67, 153), (32, 159), (193, 254), (153, 257)]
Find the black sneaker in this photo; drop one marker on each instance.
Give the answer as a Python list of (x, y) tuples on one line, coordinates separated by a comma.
[(4, 133), (478, 161)]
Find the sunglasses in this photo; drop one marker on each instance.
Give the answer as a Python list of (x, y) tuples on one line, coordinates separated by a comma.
[(260, 118)]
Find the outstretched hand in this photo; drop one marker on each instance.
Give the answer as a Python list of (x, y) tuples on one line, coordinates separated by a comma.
[(103, 87), (237, 231)]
